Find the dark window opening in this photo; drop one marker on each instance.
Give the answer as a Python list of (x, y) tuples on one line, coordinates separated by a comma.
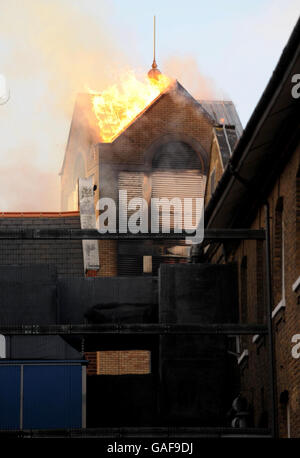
[(176, 155)]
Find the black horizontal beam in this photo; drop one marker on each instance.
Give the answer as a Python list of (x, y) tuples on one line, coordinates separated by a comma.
[(137, 329), (59, 233), (141, 432)]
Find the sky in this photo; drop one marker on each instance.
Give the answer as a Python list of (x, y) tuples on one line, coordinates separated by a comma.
[(52, 49)]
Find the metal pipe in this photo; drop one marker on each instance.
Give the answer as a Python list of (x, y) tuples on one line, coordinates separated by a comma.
[(270, 324), (63, 233), (135, 328)]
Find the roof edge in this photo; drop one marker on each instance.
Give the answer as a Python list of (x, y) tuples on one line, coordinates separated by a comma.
[(264, 101)]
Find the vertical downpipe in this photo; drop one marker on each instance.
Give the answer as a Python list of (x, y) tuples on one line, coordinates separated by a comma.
[(270, 324)]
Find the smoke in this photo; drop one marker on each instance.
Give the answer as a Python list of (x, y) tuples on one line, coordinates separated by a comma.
[(187, 72), (34, 193), (49, 51)]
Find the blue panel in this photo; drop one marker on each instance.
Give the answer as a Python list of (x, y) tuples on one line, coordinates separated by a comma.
[(9, 397), (52, 397)]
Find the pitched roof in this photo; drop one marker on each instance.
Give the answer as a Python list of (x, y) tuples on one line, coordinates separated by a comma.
[(223, 112)]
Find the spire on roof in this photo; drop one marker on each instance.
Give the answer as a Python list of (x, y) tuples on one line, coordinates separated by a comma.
[(154, 72)]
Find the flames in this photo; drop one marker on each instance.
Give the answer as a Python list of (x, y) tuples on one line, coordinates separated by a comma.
[(119, 104)]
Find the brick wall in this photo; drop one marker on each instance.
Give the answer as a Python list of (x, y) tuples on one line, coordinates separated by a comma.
[(66, 256), (119, 362), (91, 357), (172, 114), (171, 117), (108, 258), (283, 198)]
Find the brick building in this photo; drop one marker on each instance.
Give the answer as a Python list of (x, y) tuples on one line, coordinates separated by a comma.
[(251, 181), (258, 187), (164, 152)]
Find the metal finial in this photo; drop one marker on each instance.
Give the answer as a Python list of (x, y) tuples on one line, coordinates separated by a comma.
[(154, 72), (154, 65)]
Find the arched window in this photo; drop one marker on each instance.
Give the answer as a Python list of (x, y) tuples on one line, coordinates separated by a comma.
[(177, 175), (176, 155)]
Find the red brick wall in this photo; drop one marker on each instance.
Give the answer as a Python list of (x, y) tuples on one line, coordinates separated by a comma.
[(91, 357), (119, 362), (170, 115), (255, 384)]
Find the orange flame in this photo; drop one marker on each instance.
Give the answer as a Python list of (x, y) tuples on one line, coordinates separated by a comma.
[(119, 104)]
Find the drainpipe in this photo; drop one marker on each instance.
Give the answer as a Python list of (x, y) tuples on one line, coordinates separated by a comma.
[(270, 324)]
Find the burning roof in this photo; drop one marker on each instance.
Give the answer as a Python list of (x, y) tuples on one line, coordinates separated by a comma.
[(118, 105)]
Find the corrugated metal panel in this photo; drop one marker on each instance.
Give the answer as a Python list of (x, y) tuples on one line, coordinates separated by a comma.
[(185, 184), (40, 396), (132, 182), (177, 184), (10, 397), (221, 109), (52, 397)]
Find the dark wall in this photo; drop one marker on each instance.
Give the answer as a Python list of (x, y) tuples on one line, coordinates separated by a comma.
[(78, 296), (40, 347), (28, 295), (65, 255), (196, 372), (121, 400), (202, 293)]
